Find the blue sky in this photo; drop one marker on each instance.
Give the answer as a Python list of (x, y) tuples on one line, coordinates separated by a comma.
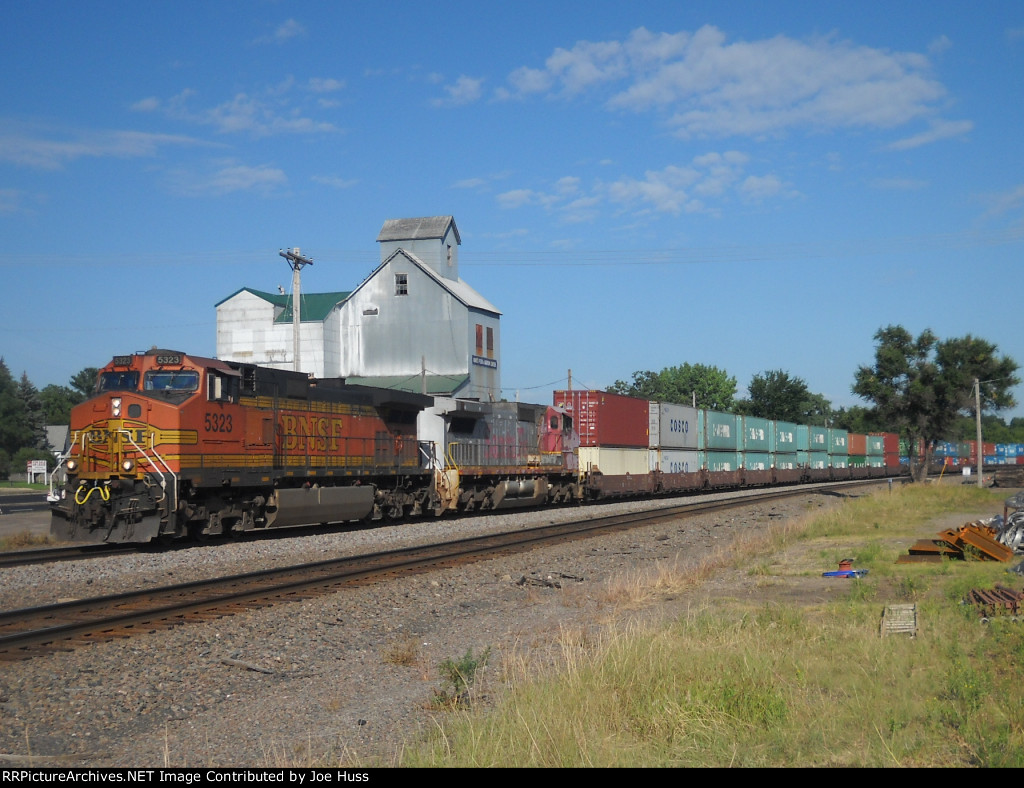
[(754, 186)]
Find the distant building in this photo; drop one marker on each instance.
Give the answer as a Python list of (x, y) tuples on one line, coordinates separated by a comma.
[(57, 441), (412, 324)]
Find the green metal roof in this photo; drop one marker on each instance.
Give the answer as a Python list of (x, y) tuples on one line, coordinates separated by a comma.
[(437, 385), (315, 306)]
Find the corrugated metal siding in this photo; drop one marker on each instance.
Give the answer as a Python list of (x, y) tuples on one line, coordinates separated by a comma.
[(785, 436), (605, 419), (721, 431), (757, 434), (716, 461)]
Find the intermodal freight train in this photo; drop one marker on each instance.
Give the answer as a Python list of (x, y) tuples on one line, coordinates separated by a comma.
[(172, 445)]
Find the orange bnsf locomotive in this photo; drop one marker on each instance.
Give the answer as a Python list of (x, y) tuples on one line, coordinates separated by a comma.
[(173, 445)]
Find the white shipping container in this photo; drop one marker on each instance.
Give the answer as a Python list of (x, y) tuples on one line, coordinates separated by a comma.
[(674, 461), (672, 426), (614, 462)]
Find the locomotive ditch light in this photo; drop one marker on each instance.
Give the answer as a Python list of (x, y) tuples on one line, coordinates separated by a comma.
[(127, 465), (72, 466)]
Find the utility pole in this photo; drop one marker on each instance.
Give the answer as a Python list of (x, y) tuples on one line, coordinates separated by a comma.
[(977, 416), (295, 262)]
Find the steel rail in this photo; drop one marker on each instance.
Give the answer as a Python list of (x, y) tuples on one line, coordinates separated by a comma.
[(27, 632)]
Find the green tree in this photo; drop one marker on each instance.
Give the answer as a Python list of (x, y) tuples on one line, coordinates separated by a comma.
[(15, 432), (858, 419), (58, 402), (775, 394), (84, 382), (706, 386), (921, 386), (35, 422)]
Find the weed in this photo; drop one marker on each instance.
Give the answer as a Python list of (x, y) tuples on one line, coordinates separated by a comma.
[(405, 653), (458, 678)]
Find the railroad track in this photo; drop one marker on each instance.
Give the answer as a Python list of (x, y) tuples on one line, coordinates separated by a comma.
[(52, 554), (64, 626)]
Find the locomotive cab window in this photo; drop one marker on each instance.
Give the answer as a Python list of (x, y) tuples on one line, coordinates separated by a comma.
[(123, 380), (171, 380)]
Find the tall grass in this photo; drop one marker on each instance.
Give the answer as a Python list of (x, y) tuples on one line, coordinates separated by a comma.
[(735, 684)]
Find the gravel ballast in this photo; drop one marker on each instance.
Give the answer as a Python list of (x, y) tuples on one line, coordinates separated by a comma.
[(343, 679)]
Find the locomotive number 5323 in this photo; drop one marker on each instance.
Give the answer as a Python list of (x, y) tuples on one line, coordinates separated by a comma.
[(218, 422)]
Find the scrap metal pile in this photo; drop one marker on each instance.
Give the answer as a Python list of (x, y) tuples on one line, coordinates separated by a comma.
[(996, 539)]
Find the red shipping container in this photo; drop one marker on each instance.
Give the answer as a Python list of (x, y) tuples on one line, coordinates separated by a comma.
[(857, 444), (604, 419)]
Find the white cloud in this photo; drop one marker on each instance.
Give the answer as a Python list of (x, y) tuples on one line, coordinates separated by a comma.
[(266, 115), (516, 198), (700, 186), (34, 150), (940, 130), (899, 184), (465, 91), (711, 87), (231, 177), (336, 182), (285, 32), (323, 85)]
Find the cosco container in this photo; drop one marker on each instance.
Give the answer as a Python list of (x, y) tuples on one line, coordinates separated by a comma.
[(721, 431), (673, 426), (674, 460), (605, 419), (757, 434)]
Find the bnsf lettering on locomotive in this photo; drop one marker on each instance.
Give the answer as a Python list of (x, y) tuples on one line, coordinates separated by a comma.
[(311, 433)]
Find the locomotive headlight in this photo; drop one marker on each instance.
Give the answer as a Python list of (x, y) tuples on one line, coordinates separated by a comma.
[(115, 406), (127, 465)]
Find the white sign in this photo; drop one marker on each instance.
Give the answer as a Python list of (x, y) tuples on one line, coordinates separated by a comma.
[(37, 466)]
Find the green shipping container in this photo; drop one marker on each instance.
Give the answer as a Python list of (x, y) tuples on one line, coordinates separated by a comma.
[(758, 434), (876, 446), (785, 437), (837, 444), (721, 460), (721, 431)]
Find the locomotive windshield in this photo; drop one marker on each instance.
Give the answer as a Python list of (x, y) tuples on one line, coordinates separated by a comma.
[(172, 380), (124, 380)]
